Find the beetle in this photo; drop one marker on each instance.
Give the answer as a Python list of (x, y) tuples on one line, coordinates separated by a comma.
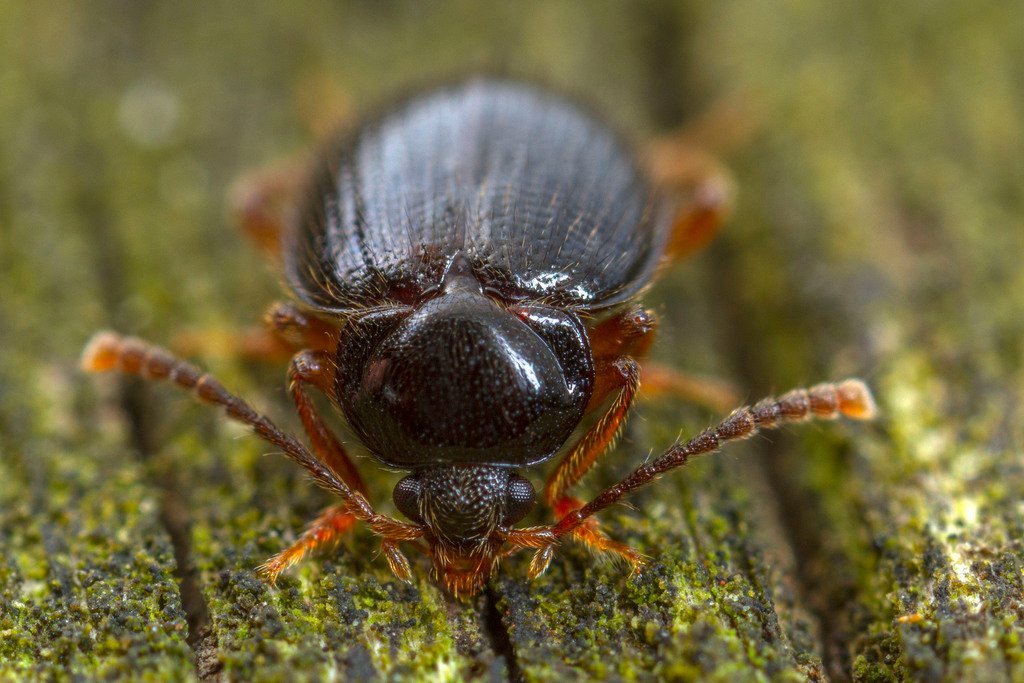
[(466, 270)]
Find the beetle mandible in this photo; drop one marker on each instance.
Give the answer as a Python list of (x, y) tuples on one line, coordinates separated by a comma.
[(466, 271)]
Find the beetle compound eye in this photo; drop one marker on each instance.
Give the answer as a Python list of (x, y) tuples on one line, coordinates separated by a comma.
[(520, 499), (407, 497)]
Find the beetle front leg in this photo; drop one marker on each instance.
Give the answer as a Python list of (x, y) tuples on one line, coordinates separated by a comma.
[(325, 531), (598, 439), (317, 368)]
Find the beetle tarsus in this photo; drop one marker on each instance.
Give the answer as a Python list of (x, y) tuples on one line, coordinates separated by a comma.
[(325, 531)]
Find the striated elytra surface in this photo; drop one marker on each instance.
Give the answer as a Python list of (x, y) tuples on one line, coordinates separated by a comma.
[(541, 200), (877, 232)]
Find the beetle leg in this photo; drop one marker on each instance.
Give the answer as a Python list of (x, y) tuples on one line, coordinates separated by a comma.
[(264, 201), (286, 330), (317, 368), (685, 162), (613, 343), (107, 351), (700, 216), (543, 540), (659, 380), (598, 439), (300, 329), (850, 398), (325, 531), (704, 190), (631, 334)]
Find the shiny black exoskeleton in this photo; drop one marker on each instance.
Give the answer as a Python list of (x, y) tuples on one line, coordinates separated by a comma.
[(463, 236), (468, 266)]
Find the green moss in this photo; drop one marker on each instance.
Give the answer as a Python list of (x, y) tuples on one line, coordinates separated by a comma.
[(86, 576)]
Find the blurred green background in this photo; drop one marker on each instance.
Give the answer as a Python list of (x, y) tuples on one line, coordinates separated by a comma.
[(879, 229)]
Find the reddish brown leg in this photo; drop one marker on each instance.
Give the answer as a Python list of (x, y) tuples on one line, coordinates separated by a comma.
[(698, 220), (850, 398), (613, 342), (107, 351), (317, 368), (659, 380), (286, 330), (686, 163), (630, 333), (704, 188), (299, 329), (596, 441), (265, 201), (325, 531)]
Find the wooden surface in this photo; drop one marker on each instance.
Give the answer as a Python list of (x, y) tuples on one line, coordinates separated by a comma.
[(878, 233)]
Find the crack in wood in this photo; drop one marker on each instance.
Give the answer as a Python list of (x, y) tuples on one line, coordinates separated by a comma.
[(174, 517), (497, 633), (108, 253)]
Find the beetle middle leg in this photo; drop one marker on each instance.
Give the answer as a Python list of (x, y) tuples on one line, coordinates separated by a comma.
[(632, 333), (107, 351), (286, 330)]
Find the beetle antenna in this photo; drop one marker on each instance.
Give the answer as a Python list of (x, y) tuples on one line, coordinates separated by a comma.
[(850, 398), (107, 351)]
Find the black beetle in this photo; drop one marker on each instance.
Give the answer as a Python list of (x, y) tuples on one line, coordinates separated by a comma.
[(466, 267)]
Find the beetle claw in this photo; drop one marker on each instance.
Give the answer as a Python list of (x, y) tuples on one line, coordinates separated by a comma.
[(541, 560), (397, 560)]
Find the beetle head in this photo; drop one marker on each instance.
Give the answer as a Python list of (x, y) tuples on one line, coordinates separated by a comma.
[(463, 509)]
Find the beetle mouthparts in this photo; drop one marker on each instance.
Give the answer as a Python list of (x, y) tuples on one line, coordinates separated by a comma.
[(464, 571)]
